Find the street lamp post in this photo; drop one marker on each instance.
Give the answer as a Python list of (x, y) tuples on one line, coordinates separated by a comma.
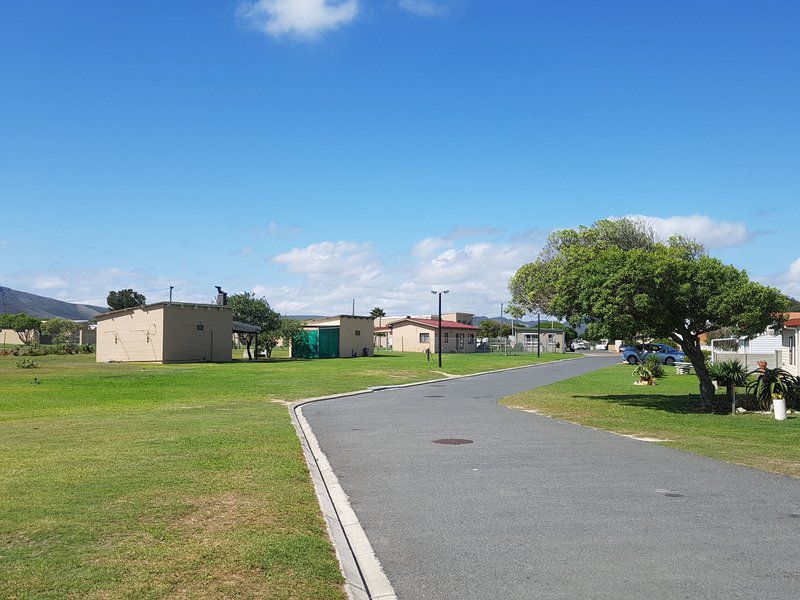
[(439, 331), (538, 334)]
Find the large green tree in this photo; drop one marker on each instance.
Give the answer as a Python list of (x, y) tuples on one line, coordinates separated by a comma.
[(628, 284), (61, 330), (24, 325), (256, 311), (127, 298)]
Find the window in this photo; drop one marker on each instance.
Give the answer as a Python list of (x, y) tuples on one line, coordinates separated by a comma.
[(424, 338), (358, 332), (471, 338), (446, 337), (792, 357), (200, 327)]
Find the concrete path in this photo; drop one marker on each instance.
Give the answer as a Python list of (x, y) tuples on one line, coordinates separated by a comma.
[(538, 508)]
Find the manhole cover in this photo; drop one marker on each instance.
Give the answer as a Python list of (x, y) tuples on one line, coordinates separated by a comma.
[(452, 441), (434, 396)]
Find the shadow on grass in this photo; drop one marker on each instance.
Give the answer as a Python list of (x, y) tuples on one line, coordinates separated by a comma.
[(662, 402)]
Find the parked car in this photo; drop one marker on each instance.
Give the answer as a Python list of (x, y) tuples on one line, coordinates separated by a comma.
[(666, 354), (580, 345)]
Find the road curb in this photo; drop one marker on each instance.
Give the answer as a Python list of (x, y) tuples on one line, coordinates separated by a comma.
[(362, 571)]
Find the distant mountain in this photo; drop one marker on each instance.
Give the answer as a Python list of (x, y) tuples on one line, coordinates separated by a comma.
[(13, 301)]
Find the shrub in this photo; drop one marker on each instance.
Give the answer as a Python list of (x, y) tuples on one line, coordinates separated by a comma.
[(643, 372), (655, 366), (769, 382), (27, 363)]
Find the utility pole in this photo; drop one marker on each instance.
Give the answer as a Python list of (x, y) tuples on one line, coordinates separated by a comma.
[(439, 331), (172, 287), (538, 334), (354, 307), (505, 337)]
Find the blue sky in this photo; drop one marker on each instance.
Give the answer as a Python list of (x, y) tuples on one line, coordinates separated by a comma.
[(316, 151)]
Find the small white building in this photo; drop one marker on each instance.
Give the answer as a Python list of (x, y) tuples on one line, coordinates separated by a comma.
[(791, 341)]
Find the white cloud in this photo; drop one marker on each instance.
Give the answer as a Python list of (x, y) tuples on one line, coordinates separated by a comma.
[(789, 280), (91, 286), (425, 8), (702, 228), (332, 273), (299, 18), (333, 260), (48, 283)]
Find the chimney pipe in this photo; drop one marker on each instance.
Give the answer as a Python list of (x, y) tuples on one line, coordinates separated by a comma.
[(222, 297)]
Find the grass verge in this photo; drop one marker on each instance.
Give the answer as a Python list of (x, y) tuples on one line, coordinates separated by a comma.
[(148, 481), (606, 399)]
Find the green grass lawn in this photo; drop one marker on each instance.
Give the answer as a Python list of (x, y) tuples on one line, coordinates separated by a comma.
[(607, 399), (146, 481)]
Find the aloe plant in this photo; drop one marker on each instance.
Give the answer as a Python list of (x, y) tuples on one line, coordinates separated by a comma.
[(730, 374), (770, 382), (643, 372)]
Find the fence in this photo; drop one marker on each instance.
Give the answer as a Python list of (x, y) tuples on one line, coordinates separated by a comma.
[(749, 359)]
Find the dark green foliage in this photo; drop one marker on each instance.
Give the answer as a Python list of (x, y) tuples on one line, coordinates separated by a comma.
[(772, 381), (256, 311), (655, 366), (27, 363), (25, 326), (127, 298), (729, 374), (627, 284)]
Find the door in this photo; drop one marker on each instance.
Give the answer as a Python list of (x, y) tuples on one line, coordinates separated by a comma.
[(329, 342)]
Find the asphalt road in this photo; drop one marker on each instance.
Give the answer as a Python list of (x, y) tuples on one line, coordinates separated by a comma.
[(538, 508)]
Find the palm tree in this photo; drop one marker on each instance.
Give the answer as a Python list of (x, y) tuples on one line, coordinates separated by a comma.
[(731, 374), (377, 313)]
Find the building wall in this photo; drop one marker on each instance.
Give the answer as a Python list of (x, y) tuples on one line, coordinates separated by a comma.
[(9, 336), (458, 317), (406, 338), (131, 336), (548, 344), (766, 342), (185, 341), (351, 344), (791, 363)]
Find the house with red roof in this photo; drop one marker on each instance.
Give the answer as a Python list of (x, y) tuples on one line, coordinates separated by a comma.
[(417, 334), (791, 340)]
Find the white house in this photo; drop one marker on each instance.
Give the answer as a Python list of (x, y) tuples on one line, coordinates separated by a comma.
[(791, 341)]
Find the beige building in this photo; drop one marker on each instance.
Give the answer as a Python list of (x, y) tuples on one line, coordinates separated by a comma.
[(553, 339), (417, 335), (343, 336), (11, 337), (166, 332)]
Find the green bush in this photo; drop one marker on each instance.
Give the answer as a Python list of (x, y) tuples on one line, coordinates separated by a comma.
[(655, 366), (27, 363)]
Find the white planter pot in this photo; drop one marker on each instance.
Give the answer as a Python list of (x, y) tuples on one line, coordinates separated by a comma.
[(779, 406)]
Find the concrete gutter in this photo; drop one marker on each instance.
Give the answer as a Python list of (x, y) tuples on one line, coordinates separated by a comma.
[(362, 571)]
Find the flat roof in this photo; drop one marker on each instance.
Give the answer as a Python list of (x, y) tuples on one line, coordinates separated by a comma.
[(434, 323), (155, 305), (323, 319)]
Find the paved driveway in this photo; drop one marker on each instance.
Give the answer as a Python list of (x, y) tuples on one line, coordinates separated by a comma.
[(538, 508)]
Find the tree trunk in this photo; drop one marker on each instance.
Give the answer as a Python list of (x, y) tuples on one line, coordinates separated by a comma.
[(249, 354), (690, 344), (732, 397)]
